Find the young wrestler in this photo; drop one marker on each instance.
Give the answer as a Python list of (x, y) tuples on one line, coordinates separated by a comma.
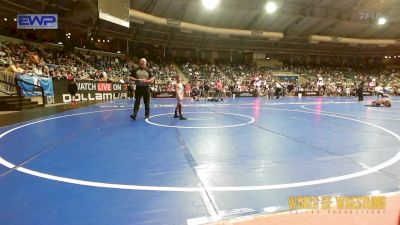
[(381, 102), (179, 98)]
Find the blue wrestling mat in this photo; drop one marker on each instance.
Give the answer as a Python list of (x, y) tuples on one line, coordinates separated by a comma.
[(95, 165)]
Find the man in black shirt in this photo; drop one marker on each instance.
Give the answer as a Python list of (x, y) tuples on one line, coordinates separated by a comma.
[(206, 89), (360, 91), (143, 78)]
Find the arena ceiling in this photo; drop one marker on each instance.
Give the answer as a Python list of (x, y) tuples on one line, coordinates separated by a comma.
[(297, 19)]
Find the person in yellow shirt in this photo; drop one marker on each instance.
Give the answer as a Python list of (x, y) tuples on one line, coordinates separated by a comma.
[(12, 69), (10, 73)]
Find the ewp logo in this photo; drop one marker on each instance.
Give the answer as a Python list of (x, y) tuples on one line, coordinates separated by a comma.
[(37, 21)]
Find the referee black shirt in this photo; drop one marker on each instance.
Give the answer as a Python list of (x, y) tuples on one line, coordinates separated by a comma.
[(139, 73)]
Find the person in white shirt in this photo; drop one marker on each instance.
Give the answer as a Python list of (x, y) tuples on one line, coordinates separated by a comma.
[(348, 91), (379, 90), (278, 89), (321, 86)]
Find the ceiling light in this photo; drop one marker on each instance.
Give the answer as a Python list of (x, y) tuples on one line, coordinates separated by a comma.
[(210, 4), (382, 21), (271, 7)]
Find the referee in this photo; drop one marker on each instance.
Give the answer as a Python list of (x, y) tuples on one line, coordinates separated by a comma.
[(143, 78)]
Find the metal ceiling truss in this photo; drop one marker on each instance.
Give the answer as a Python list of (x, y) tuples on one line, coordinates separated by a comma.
[(179, 16), (301, 18), (147, 8)]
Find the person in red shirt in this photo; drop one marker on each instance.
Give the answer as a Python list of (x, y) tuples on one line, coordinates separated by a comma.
[(188, 90), (219, 89)]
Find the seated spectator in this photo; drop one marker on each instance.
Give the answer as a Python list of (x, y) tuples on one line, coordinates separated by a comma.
[(12, 69)]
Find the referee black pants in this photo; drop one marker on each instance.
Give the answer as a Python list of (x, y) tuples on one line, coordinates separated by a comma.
[(360, 94), (277, 92), (144, 92)]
